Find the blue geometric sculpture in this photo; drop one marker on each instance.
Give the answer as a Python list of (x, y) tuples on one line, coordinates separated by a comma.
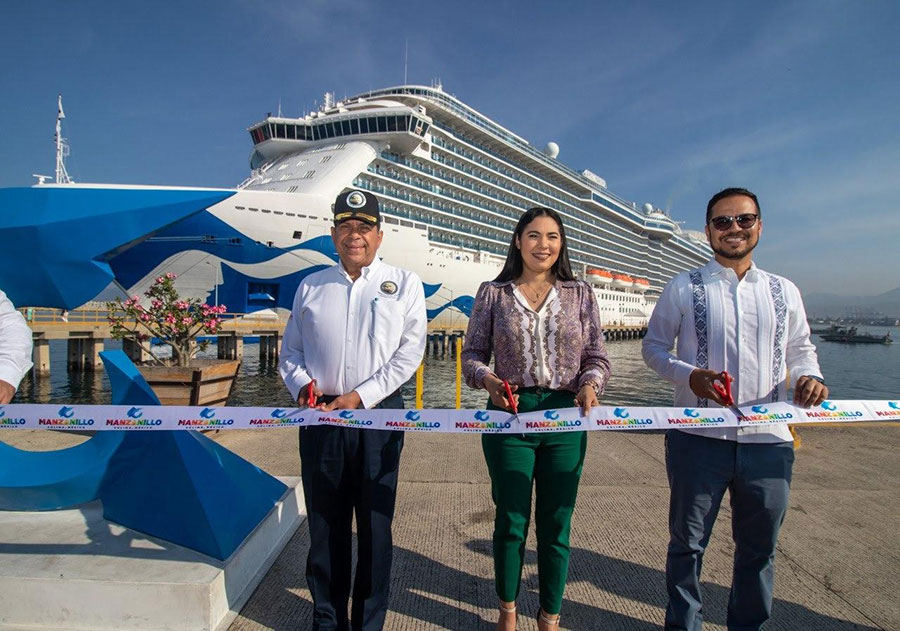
[(175, 485), (50, 480), (64, 236), (180, 485)]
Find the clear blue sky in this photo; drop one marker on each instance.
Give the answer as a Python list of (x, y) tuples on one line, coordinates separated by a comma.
[(668, 101)]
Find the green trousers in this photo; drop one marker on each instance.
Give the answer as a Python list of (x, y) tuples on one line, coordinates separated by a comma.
[(550, 463)]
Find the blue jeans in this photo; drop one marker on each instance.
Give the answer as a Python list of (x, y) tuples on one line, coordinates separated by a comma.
[(758, 477)]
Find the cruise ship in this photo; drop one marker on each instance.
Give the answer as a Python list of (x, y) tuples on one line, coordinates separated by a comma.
[(451, 184)]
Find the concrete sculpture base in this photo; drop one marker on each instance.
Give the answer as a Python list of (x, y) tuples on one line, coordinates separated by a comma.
[(72, 569)]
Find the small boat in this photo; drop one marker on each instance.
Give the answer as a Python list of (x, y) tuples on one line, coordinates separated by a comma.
[(851, 336), (834, 328)]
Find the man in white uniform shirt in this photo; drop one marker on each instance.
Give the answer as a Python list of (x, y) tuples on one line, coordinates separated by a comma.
[(359, 329), (730, 316), (15, 349)]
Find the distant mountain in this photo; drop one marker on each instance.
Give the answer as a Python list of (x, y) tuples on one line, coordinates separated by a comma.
[(836, 306)]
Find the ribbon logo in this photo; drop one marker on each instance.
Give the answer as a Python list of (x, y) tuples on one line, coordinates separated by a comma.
[(208, 413), (551, 415), (828, 405), (481, 415), (891, 404), (691, 413), (621, 413), (135, 413), (66, 412), (278, 413), (346, 414), (760, 409), (412, 415)]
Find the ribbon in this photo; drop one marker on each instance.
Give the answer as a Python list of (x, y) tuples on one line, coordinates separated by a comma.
[(149, 417)]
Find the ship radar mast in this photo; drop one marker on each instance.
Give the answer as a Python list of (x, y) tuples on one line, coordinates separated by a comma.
[(62, 146)]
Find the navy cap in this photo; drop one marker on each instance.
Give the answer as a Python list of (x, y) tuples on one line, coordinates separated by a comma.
[(356, 204)]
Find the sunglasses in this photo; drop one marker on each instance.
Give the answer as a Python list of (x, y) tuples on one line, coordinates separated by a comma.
[(747, 220)]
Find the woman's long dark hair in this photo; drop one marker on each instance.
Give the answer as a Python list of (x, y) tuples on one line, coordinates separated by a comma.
[(512, 268)]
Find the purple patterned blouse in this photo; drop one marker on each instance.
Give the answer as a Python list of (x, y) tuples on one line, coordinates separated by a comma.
[(559, 347)]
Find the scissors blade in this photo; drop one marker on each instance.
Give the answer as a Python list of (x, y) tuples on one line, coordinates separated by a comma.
[(512, 402)]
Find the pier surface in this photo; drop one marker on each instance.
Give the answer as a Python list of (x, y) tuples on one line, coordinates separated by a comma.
[(838, 555)]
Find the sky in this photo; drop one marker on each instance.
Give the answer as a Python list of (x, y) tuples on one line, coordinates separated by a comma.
[(669, 102)]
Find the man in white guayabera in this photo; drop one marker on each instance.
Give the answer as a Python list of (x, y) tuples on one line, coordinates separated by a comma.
[(358, 328), (15, 349), (740, 332)]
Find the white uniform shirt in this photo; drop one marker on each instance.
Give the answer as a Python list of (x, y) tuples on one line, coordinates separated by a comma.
[(367, 335), (15, 343), (742, 326)]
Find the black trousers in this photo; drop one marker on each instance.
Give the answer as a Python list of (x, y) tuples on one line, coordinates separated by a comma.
[(347, 470)]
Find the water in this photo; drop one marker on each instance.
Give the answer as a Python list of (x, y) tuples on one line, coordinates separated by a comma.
[(870, 371)]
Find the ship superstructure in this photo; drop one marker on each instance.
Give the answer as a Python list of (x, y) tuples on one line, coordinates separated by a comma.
[(451, 183)]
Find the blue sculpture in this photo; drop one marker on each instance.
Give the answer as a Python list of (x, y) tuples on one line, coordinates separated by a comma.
[(64, 236), (175, 485)]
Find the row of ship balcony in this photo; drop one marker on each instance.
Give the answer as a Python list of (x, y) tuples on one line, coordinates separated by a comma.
[(507, 223), (552, 195), (479, 218), (449, 103), (481, 239)]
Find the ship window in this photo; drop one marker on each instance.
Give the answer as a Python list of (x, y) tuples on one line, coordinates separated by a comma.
[(382, 123), (425, 127), (266, 211), (354, 126), (309, 174), (253, 209), (392, 123), (390, 220), (298, 234), (277, 212), (404, 222), (345, 128), (317, 132), (325, 158), (234, 241), (267, 132), (239, 208)]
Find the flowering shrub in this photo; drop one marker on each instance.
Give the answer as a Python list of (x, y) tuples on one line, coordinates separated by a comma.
[(175, 321)]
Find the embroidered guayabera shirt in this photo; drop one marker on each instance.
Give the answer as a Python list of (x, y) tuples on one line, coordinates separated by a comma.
[(367, 335), (754, 328), (560, 346)]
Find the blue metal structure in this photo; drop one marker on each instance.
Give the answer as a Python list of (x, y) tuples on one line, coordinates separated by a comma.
[(175, 485), (57, 240)]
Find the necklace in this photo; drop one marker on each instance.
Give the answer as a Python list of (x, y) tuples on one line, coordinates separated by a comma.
[(538, 295)]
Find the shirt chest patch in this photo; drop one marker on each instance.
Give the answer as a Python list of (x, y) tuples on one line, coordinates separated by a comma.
[(388, 288)]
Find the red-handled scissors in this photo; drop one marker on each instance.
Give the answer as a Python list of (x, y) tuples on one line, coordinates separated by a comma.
[(311, 394), (510, 398), (725, 390)]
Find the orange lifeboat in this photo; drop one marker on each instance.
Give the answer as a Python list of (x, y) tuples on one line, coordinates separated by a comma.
[(622, 280), (599, 276), (641, 284)]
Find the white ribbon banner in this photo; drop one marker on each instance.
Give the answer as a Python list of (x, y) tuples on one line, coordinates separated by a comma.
[(149, 417)]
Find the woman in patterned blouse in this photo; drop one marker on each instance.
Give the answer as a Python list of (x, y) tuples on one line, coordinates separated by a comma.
[(543, 329)]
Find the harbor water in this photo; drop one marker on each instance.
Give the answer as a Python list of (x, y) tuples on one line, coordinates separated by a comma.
[(863, 371)]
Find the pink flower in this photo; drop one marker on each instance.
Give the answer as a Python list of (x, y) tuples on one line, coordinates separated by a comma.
[(187, 321), (170, 319), (156, 304), (145, 317), (159, 279), (182, 304), (170, 275), (135, 299)]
